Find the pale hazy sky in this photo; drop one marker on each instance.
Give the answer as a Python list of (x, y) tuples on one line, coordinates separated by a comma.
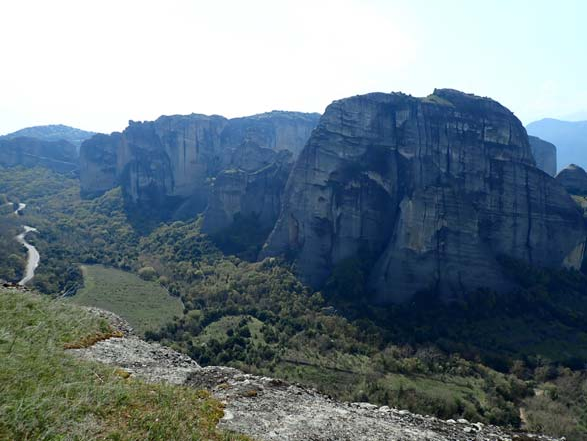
[(95, 64)]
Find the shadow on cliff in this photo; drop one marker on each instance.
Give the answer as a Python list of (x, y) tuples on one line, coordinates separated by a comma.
[(243, 238), (147, 215), (544, 318)]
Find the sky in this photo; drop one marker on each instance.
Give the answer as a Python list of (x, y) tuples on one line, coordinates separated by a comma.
[(96, 64)]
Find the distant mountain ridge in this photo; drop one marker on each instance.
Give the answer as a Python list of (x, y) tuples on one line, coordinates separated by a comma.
[(53, 132), (59, 155), (569, 137)]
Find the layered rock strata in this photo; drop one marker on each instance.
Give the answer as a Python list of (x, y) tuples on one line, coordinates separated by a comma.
[(172, 163), (434, 189)]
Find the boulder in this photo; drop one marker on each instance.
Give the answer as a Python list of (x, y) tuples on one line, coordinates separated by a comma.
[(574, 179)]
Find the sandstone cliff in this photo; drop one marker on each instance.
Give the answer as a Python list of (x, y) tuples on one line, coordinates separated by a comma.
[(98, 164), (435, 189), (249, 193), (544, 154), (60, 156), (259, 151), (171, 163)]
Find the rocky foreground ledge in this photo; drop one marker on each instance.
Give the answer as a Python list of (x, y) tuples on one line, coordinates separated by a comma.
[(270, 409)]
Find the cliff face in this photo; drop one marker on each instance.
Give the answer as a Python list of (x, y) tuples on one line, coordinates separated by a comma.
[(171, 163), (98, 164), (435, 189), (170, 158), (258, 152), (249, 193), (544, 154), (60, 156)]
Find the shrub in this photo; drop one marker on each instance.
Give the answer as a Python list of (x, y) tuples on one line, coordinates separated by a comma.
[(148, 273)]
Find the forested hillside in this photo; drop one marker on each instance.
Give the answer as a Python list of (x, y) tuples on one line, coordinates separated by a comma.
[(482, 358)]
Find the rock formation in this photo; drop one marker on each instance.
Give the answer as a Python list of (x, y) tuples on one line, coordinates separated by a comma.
[(259, 152), (98, 164), (171, 163), (544, 154), (249, 193), (574, 179), (435, 189), (60, 156)]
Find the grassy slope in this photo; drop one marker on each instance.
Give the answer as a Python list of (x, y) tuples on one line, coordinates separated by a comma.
[(47, 394), (145, 305)]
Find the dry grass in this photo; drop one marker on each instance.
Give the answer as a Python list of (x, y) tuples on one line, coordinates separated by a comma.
[(92, 339), (47, 394)]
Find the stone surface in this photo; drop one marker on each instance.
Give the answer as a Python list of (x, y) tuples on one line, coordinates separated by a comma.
[(171, 163), (116, 322), (60, 156), (98, 164), (544, 154), (435, 189), (574, 179), (271, 409), (149, 361)]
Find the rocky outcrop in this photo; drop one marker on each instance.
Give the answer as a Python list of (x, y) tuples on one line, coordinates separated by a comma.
[(544, 154), (60, 156), (434, 189), (259, 152), (99, 164), (163, 162), (250, 193), (171, 163), (574, 179), (271, 409)]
